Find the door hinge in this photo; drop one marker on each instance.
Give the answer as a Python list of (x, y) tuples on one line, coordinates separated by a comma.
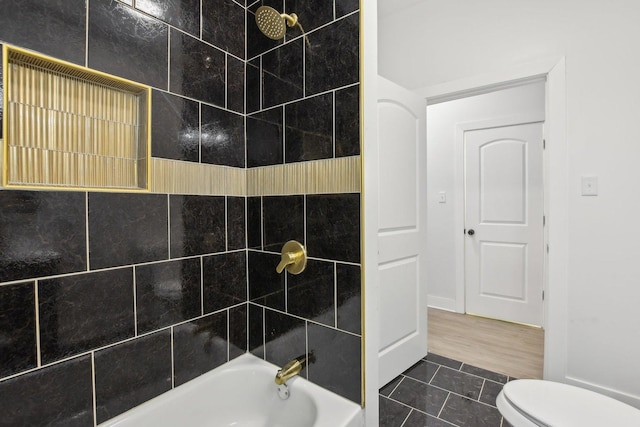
[(542, 295), (544, 144), (544, 220), (464, 231), (547, 248)]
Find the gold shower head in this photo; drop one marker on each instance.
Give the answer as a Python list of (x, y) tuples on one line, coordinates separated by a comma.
[(271, 22)]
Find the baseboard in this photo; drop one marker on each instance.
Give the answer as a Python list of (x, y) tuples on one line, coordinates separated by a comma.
[(441, 303), (627, 398)]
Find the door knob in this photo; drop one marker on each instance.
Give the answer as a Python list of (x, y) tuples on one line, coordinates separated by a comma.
[(471, 232)]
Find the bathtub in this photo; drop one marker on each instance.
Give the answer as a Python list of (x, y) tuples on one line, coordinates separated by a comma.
[(242, 393)]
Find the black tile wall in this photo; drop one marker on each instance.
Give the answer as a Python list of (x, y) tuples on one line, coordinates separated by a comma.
[(132, 373), (59, 395), (184, 14), (127, 43), (17, 327), (176, 127), (222, 137), (127, 229), (223, 25), (197, 225), (60, 27), (167, 293), (199, 346), (197, 69), (186, 254), (69, 321), (41, 234)]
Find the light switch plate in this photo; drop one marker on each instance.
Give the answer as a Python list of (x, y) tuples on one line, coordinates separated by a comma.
[(589, 185)]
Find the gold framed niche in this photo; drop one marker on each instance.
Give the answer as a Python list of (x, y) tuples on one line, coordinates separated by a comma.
[(70, 127)]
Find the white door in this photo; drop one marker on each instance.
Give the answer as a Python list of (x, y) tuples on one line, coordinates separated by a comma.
[(401, 229), (504, 223)]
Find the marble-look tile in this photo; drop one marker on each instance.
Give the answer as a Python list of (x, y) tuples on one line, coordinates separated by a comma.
[(17, 328), (465, 412), (338, 361), (333, 60), (223, 25), (257, 42), (441, 360), (127, 229), (349, 308), (69, 321), (422, 371), (254, 222), (458, 382), (264, 138), (127, 43), (175, 129), (484, 373), (392, 414), (58, 395), (282, 74), (309, 129), (390, 386), (284, 337), (237, 331), (222, 137), (196, 69), (253, 84), (311, 15), (184, 14), (348, 121), (344, 7), (283, 220), (197, 225), (236, 223), (255, 330), (420, 419), (199, 346), (419, 395), (490, 391), (60, 27), (266, 286), (310, 294), (224, 280), (42, 233), (235, 84), (333, 226), (167, 293), (131, 373)]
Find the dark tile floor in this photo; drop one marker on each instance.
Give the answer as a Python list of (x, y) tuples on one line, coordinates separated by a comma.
[(442, 392)]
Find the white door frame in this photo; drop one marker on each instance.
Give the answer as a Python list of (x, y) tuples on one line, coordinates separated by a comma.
[(460, 198), (555, 196)]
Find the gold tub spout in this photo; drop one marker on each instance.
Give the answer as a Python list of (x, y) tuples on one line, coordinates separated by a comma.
[(293, 368)]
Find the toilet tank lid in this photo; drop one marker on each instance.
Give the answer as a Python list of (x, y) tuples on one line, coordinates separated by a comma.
[(557, 404)]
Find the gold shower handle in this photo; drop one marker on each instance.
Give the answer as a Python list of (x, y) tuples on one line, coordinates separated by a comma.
[(294, 258)]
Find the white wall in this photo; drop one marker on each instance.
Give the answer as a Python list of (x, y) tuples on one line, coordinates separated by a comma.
[(451, 40), (443, 228)]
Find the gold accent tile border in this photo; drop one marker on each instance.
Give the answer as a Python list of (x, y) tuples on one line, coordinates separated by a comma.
[(340, 175)]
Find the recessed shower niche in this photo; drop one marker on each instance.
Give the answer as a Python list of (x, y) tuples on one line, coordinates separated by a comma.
[(70, 127)]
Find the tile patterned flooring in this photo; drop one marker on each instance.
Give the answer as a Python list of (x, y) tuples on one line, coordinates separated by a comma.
[(442, 392)]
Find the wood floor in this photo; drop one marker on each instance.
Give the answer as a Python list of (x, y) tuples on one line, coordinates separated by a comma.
[(507, 348)]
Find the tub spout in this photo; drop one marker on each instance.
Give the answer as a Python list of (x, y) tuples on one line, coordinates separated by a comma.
[(293, 368)]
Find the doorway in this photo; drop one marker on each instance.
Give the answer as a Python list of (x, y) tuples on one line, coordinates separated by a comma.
[(485, 182)]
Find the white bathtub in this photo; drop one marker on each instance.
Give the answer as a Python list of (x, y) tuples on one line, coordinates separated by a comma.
[(242, 393)]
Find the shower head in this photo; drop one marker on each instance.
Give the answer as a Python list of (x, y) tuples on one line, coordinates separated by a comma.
[(271, 22)]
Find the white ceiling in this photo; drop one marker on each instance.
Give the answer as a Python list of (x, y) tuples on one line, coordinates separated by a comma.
[(387, 7)]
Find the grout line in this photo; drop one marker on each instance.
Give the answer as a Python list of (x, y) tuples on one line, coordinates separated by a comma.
[(335, 294), (201, 285), (481, 389), (261, 222), (226, 223), (407, 417), (169, 59), (86, 31), (173, 365), (306, 346), (169, 226), (443, 405), (226, 80), (86, 229), (228, 333), (201, 20), (264, 335), (304, 219), (93, 389), (200, 132), (36, 294), (284, 134), (286, 291), (135, 303), (333, 123)]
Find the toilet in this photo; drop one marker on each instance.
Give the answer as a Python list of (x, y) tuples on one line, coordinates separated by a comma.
[(529, 403)]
